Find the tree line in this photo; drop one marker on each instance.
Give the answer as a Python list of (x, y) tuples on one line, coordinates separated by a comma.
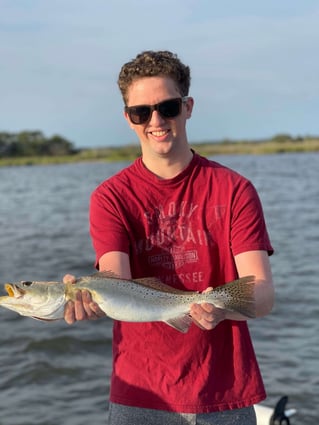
[(33, 143)]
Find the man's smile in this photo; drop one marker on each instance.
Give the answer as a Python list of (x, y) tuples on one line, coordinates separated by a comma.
[(159, 133)]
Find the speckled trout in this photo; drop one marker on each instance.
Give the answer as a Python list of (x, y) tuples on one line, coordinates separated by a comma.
[(138, 300)]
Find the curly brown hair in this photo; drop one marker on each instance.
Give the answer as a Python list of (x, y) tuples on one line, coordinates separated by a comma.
[(151, 64)]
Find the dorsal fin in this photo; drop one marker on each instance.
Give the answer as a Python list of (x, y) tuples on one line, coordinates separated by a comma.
[(149, 282), (157, 284), (108, 274), (105, 274)]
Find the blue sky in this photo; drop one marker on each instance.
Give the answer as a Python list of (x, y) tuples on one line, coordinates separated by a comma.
[(255, 65)]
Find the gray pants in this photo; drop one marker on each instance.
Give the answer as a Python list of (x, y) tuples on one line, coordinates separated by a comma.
[(126, 415)]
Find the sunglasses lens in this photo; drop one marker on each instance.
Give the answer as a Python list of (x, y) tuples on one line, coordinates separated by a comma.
[(170, 108), (167, 109), (139, 114)]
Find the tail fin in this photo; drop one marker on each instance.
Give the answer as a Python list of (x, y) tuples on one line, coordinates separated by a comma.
[(239, 296)]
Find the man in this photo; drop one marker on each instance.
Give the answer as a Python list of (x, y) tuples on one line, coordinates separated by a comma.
[(194, 224)]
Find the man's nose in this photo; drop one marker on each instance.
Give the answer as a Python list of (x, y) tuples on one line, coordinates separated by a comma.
[(156, 118)]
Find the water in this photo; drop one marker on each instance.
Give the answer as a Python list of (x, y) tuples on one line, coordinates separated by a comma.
[(55, 374)]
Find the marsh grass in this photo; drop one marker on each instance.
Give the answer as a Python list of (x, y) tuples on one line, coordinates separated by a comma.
[(279, 145)]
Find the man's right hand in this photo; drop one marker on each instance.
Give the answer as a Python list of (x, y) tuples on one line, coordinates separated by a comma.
[(83, 308)]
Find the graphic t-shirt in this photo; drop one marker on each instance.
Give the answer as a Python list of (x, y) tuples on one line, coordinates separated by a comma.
[(185, 231)]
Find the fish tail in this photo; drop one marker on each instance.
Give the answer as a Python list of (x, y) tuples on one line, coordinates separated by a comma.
[(238, 296)]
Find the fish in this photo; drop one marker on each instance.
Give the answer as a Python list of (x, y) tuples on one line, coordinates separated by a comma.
[(128, 300)]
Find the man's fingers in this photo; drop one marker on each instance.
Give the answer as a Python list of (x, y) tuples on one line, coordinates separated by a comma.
[(86, 297), (82, 308), (202, 311), (80, 313), (87, 302), (69, 278), (98, 312), (69, 315), (208, 308), (206, 316), (209, 289), (91, 308)]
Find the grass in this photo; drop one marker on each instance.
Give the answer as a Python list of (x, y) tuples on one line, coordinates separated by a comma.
[(279, 144)]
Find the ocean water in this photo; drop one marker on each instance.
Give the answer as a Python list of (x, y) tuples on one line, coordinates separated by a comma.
[(54, 374)]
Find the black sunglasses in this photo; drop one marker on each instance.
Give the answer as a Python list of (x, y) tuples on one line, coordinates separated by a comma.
[(141, 114)]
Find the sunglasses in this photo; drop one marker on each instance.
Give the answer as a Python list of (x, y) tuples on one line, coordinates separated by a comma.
[(141, 114)]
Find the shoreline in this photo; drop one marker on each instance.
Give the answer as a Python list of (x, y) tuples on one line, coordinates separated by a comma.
[(131, 152)]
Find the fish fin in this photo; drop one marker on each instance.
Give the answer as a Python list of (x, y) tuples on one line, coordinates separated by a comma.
[(157, 284), (44, 320), (149, 282), (180, 323), (245, 279), (105, 274), (247, 311)]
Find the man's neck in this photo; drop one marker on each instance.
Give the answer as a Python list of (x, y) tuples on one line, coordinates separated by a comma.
[(167, 167)]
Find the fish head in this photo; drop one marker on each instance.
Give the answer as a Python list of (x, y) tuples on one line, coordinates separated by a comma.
[(40, 300)]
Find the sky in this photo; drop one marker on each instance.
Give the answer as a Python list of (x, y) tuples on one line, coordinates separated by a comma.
[(254, 65)]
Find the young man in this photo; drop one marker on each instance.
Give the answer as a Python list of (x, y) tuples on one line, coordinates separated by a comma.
[(194, 224)]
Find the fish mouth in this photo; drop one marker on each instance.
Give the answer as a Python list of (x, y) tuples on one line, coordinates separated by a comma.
[(13, 290)]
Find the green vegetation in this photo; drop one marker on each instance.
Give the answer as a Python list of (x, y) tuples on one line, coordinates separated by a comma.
[(29, 148), (33, 143), (281, 143)]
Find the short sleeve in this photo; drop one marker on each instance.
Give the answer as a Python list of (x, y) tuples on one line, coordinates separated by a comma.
[(248, 227), (107, 229)]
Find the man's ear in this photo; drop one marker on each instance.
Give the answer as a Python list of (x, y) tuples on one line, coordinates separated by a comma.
[(189, 107), (128, 120)]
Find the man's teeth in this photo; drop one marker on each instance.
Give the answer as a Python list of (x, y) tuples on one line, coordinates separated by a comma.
[(159, 133)]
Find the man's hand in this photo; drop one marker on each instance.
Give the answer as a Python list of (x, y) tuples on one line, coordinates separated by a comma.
[(207, 316), (83, 308)]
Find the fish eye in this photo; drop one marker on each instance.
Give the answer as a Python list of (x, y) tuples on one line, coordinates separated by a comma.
[(26, 283)]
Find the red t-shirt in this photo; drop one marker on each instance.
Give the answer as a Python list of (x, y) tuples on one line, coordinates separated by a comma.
[(185, 231)]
